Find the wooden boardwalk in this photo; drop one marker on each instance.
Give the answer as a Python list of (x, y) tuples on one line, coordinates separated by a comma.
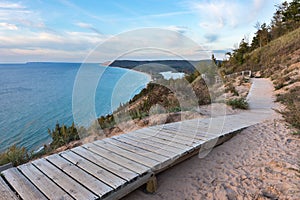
[(113, 167)]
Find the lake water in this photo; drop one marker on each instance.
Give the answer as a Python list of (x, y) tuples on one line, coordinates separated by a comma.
[(172, 75), (34, 96)]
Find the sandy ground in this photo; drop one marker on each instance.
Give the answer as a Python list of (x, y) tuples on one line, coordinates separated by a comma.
[(261, 162)]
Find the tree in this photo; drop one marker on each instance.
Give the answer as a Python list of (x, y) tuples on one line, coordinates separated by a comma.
[(62, 135), (262, 36), (214, 60), (285, 19), (239, 53), (291, 16), (277, 29)]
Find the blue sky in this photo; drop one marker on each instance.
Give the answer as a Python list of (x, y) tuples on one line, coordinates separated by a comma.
[(66, 30)]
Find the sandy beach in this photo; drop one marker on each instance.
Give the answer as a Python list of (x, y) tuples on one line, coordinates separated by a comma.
[(261, 162)]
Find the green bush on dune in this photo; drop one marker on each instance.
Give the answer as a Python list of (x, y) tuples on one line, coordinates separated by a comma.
[(15, 155), (62, 135), (240, 103)]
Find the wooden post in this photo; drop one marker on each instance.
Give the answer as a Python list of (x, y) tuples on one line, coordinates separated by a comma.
[(151, 185)]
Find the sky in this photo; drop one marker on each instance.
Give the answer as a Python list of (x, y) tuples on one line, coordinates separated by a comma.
[(99, 31)]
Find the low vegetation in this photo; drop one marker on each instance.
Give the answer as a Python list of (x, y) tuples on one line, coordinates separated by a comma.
[(62, 135), (15, 155), (239, 103), (292, 102)]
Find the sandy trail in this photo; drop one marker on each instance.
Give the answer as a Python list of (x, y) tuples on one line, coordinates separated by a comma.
[(261, 162)]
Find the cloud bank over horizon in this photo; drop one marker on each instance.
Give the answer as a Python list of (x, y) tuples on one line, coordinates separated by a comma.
[(69, 31)]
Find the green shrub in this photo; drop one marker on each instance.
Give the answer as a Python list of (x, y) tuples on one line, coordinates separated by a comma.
[(62, 135), (296, 132), (107, 121), (16, 155), (174, 109), (240, 103), (279, 86)]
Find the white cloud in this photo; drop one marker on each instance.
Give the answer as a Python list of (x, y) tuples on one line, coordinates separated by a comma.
[(8, 26), (9, 5), (67, 40), (179, 29), (88, 26), (218, 14), (147, 43), (20, 16), (84, 25), (76, 46), (258, 4), (215, 15)]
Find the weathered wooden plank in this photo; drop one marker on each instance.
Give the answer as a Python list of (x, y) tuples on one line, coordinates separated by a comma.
[(129, 164), (25, 189), (159, 130), (156, 144), (197, 135), (129, 187), (5, 167), (155, 138), (164, 162), (170, 137), (43, 183), (127, 154), (5, 192), (210, 131), (204, 123), (75, 189), (138, 150), (184, 139), (190, 129), (211, 127), (89, 181), (92, 162), (145, 146), (181, 135)]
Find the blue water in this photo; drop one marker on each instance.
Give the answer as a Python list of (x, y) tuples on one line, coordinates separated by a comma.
[(34, 96)]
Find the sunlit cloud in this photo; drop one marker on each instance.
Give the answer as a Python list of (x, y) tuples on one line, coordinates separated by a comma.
[(179, 29), (88, 26), (8, 26), (218, 14), (73, 30), (10, 5)]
